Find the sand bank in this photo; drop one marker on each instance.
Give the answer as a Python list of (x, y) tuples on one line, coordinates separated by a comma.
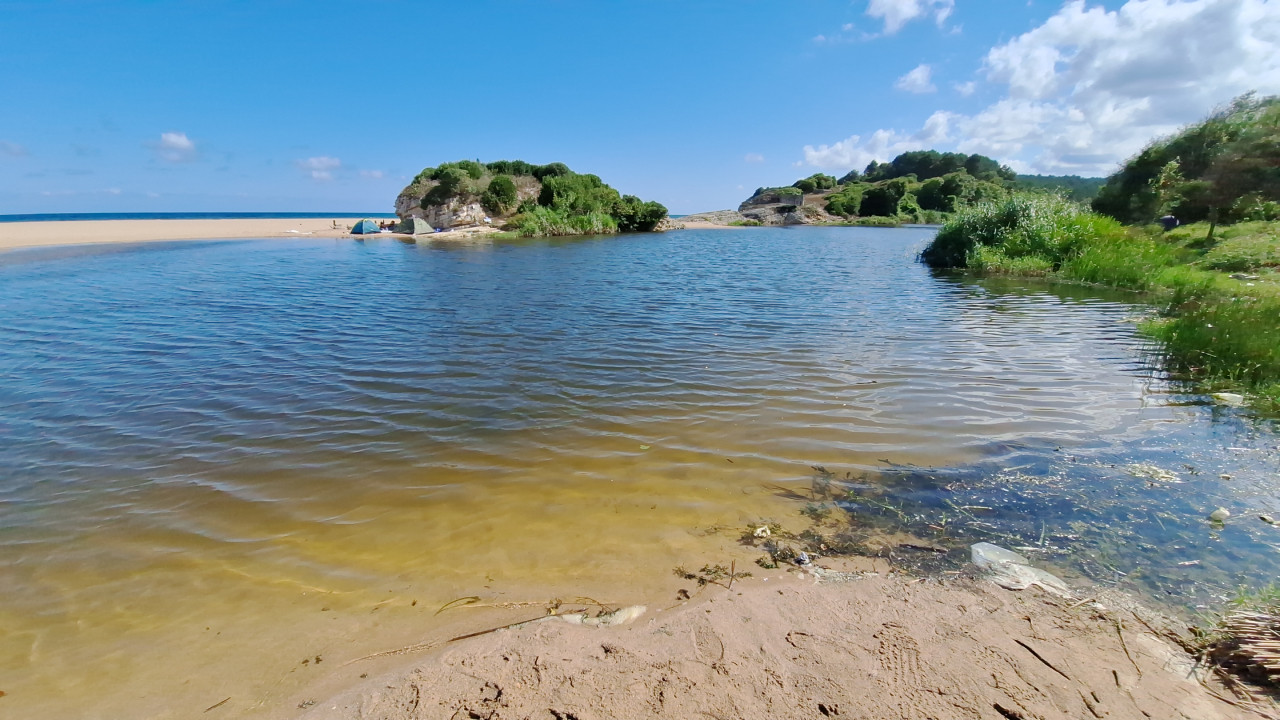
[(85, 232), (785, 647)]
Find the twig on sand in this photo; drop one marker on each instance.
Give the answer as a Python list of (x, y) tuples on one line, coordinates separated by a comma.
[(460, 602), (218, 704), (397, 651), (1041, 658), (1120, 634), (496, 629)]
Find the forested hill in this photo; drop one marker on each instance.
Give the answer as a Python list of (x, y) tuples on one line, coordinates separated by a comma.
[(919, 186), (1080, 189)]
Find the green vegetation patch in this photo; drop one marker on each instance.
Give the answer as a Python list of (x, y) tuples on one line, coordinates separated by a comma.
[(557, 201)]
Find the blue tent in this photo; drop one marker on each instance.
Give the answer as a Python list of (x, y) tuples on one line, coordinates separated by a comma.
[(364, 227)]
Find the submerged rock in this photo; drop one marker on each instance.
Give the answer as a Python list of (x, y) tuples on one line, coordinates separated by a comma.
[(1229, 399), (1012, 571)]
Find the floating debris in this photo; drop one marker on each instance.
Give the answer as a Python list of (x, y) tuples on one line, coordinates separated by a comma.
[(1268, 519), (1011, 571), (1148, 471)]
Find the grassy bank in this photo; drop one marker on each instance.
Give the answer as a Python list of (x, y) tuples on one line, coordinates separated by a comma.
[(1219, 294)]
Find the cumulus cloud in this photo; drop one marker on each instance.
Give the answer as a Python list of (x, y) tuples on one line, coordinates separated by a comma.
[(854, 152), (175, 147), (896, 13), (1090, 86), (320, 168), (753, 158), (917, 81), (12, 149), (372, 174), (966, 88)]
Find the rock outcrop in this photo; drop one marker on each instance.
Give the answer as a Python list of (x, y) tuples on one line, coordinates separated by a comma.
[(457, 211)]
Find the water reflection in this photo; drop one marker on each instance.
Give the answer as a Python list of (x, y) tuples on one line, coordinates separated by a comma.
[(212, 449)]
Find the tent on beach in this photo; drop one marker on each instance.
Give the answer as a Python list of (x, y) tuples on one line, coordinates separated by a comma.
[(364, 227), (414, 226)]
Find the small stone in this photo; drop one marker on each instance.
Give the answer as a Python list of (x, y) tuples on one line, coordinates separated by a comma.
[(762, 531), (1268, 519), (1220, 515)]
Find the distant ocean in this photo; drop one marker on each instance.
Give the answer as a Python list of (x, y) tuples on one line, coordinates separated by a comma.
[(46, 217)]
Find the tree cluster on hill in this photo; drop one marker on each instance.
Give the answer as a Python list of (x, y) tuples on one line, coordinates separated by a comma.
[(1073, 187), (558, 201), (1225, 168), (920, 186)]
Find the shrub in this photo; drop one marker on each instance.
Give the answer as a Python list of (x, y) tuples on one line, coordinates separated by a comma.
[(500, 196), (511, 167), (577, 193), (542, 172), (848, 201), (544, 221), (452, 181), (635, 215), (882, 198), (815, 182), (1021, 225)]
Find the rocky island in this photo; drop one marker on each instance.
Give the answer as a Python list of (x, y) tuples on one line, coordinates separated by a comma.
[(525, 199)]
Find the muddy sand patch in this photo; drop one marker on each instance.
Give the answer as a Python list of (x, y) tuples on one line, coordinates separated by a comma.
[(782, 646)]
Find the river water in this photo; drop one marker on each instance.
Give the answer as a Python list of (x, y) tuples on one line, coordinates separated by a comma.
[(221, 459)]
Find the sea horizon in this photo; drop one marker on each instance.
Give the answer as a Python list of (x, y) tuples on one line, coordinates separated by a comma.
[(63, 217)]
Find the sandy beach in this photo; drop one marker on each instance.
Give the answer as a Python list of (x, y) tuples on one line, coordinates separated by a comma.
[(784, 646), (89, 232)]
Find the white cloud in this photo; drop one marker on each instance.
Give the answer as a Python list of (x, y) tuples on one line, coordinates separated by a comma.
[(917, 81), (372, 174), (854, 152), (1090, 87), (966, 88), (896, 13), (12, 149), (753, 158), (320, 168), (175, 147)]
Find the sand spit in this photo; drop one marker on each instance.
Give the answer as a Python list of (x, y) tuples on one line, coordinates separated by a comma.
[(785, 647), (88, 232)]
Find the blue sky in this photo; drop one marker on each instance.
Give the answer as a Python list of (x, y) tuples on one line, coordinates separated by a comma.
[(327, 106)]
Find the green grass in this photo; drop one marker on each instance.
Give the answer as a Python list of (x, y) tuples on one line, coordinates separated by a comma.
[(1218, 332)]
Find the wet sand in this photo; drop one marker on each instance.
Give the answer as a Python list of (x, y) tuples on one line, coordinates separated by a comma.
[(86, 232), (781, 646)]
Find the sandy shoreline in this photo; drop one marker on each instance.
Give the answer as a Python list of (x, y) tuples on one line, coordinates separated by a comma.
[(90, 232), (782, 646)]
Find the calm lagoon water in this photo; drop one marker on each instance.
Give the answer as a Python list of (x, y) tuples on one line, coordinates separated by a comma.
[(220, 459)]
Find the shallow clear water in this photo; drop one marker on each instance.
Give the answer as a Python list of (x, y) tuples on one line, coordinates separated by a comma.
[(221, 458)]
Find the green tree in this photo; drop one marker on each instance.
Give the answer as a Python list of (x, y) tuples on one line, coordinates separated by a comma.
[(846, 202), (451, 180), (882, 198), (500, 196), (635, 215), (542, 172)]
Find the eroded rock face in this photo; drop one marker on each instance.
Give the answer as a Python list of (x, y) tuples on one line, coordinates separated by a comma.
[(458, 211), (776, 214)]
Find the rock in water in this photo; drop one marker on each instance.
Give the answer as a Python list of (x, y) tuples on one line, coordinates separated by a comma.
[(1220, 515), (1229, 399), (1011, 571)]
